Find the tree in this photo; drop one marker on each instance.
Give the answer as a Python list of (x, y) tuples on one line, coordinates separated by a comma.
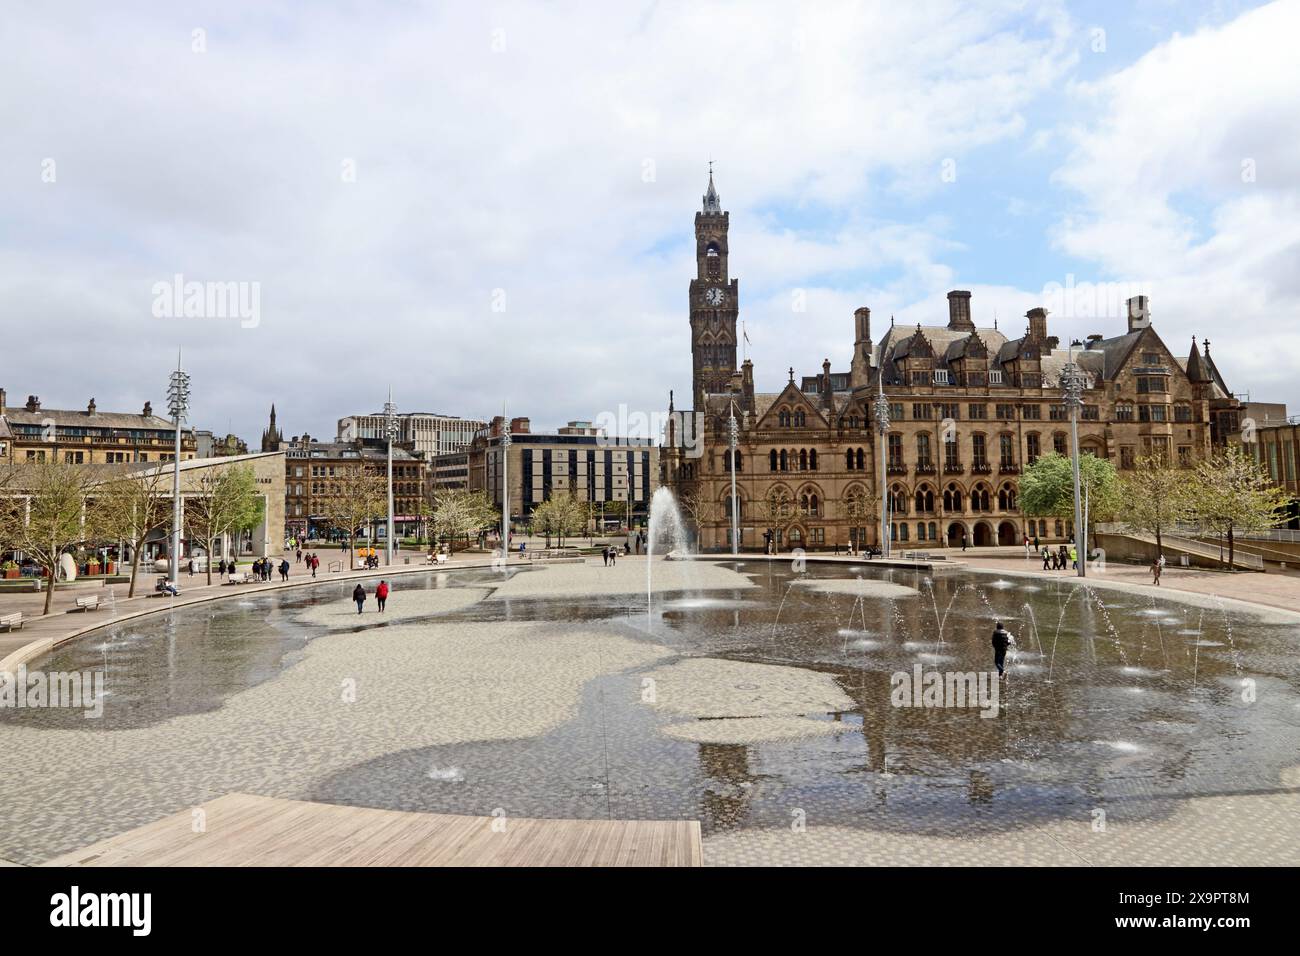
[(777, 511), (46, 513), (1233, 492), (859, 507), (699, 510), (132, 506), (460, 513), (561, 514), (1155, 497), (226, 503), (1047, 489), (353, 499)]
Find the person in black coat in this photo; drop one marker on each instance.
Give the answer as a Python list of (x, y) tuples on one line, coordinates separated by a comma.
[(359, 595), (1001, 640)]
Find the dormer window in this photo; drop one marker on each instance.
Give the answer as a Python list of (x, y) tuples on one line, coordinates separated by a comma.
[(995, 377), (941, 376)]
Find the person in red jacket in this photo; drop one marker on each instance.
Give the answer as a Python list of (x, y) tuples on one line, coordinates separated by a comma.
[(381, 594)]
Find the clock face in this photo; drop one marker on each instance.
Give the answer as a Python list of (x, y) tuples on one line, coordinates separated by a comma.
[(714, 296)]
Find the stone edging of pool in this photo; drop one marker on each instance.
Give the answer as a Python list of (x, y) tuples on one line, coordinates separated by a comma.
[(38, 648), (1194, 598)]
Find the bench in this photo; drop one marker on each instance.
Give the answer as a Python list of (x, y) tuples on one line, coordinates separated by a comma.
[(11, 621), (88, 603), (248, 577)]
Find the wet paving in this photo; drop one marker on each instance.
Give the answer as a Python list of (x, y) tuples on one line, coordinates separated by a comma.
[(1113, 699)]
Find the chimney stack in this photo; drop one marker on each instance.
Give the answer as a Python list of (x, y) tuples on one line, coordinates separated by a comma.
[(959, 311), (1037, 317), (3, 396), (860, 367), (33, 403), (90, 408), (828, 394), (747, 384), (1139, 313), (148, 409)]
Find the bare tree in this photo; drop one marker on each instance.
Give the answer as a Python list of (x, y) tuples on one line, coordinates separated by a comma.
[(352, 500), (46, 513), (132, 506), (226, 503), (460, 513)]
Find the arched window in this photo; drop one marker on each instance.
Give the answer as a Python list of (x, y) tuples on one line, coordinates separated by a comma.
[(898, 500), (814, 506), (800, 419), (803, 459), (923, 449), (803, 504), (952, 498), (785, 462), (783, 418), (861, 459), (740, 462), (812, 459), (848, 459), (920, 531), (771, 460)]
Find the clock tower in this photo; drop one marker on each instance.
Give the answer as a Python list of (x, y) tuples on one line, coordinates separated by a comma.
[(715, 301)]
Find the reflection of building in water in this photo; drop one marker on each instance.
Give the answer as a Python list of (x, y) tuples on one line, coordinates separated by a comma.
[(727, 805)]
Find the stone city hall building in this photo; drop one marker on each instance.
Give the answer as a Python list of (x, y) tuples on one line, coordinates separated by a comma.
[(969, 407)]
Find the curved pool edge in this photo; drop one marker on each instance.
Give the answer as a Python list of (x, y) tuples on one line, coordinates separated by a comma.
[(45, 645)]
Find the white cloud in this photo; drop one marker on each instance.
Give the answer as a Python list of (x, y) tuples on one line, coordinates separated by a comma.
[(477, 168), (1162, 171)]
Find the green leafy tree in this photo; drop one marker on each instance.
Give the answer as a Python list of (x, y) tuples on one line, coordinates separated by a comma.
[(1155, 497), (1234, 493), (1047, 488), (560, 515)]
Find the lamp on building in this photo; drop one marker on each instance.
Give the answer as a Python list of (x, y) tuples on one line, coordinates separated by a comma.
[(178, 404)]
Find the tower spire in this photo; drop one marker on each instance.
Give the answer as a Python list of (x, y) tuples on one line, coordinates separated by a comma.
[(712, 202)]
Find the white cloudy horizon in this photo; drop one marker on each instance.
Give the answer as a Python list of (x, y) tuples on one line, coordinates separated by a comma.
[(493, 204)]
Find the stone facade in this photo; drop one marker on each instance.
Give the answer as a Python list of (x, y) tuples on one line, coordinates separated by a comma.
[(970, 407), (89, 436)]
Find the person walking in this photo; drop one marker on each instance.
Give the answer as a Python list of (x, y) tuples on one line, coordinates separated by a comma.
[(613, 556), (1047, 559), (1061, 556), (1035, 542), (963, 540), (381, 595), (359, 595), (297, 557), (605, 554), (1001, 640), (1155, 572), (315, 563), (1027, 551), (284, 570), (1074, 558)]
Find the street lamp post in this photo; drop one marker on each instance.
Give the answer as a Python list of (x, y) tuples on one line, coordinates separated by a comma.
[(390, 429), (505, 486), (178, 403), (734, 432), (1072, 377), (882, 427)]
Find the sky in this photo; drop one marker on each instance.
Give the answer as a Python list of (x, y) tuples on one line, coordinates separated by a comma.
[(488, 205)]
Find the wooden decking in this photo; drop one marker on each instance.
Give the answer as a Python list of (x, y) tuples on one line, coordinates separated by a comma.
[(241, 829)]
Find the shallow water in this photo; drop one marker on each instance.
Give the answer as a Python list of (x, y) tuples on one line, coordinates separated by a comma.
[(1112, 698)]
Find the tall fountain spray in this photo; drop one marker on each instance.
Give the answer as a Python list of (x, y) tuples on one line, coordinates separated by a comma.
[(665, 527)]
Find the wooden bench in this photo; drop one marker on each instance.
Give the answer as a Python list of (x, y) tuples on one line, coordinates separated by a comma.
[(90, 603), (11, 621)]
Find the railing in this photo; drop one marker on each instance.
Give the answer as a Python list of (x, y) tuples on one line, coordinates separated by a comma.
[(1206, 549), (953, 468), (981, 468), (926, 469), (896, 468), (1005, 469)]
